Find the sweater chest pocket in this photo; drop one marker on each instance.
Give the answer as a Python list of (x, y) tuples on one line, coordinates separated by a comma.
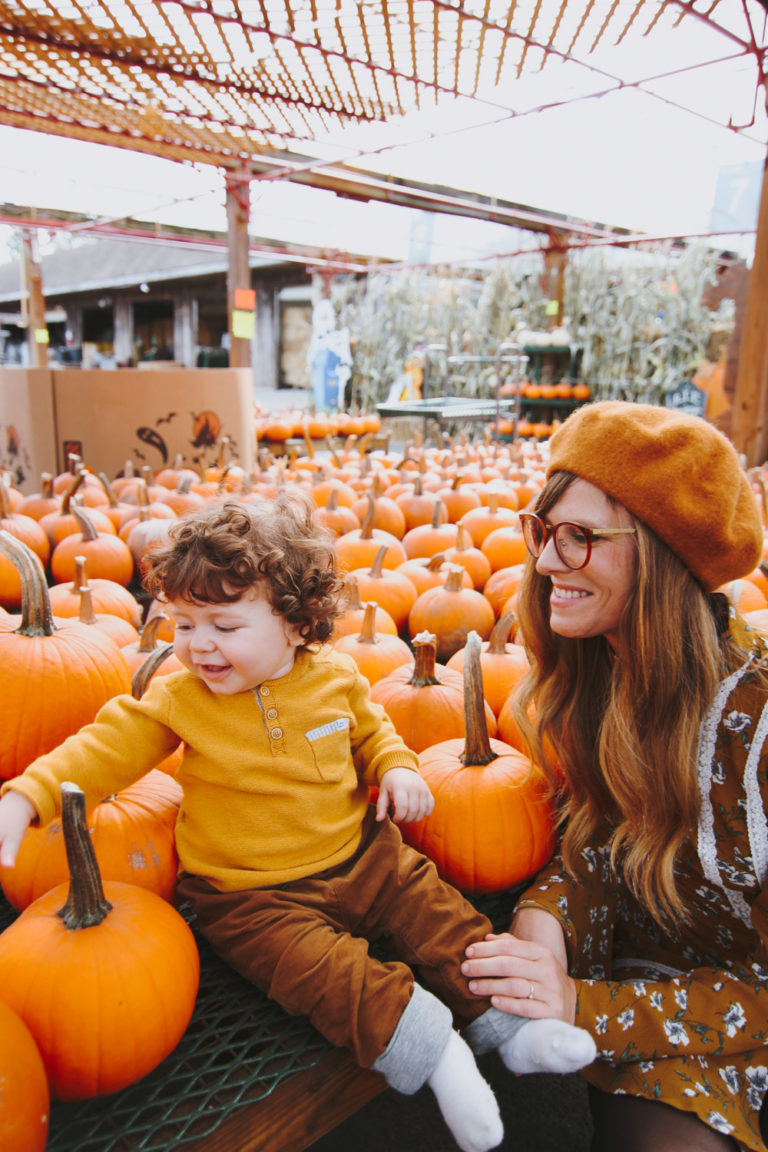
[(330, 748)]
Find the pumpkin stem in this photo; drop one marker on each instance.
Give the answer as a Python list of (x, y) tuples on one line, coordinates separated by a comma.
[(86, 904), (366, 528), (84, 523), (146, 670), (113, 501), (368, 633), (36, 614), (377, 567), (87, 613), (330, 446), (497, 641), (477, 749), (454, 579), (148, 638), (464, 539), (66, 499), (424, 646)]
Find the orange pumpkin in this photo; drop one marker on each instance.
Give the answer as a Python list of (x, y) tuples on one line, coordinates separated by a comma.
[(359, 548), (492, 825), (375, 653), (351, 620), (503, 664), (24, 1096), (133, 837), (451, 611), (425, 697), (470, 558), (107, 596), (56, 675), (105, 977), (388, 587), (108, 556), (427, 539)]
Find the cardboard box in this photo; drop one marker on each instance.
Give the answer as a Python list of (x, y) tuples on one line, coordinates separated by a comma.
[(151, 417), (110, 417), (27, 440)]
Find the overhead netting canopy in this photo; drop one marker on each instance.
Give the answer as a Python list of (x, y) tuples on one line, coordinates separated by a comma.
[(222, 81)]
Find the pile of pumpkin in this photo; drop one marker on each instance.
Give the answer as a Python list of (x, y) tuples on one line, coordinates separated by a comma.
[(295, 423), (431, 546)]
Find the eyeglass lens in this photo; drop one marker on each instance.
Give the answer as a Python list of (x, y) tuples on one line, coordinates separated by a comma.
[(571, 540)]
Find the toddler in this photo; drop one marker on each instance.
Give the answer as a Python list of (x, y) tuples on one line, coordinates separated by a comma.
[(290, 871)]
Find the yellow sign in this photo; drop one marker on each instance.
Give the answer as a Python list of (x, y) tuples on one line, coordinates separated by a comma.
[(41, 335), (243, 324)]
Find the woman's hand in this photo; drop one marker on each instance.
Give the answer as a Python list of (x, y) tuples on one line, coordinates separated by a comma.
[(524, 973)]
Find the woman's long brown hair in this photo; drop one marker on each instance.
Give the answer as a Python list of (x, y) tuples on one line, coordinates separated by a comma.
[(617, 736)]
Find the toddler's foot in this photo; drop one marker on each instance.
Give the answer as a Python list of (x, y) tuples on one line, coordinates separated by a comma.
[(466, 1101), (548, 1046)]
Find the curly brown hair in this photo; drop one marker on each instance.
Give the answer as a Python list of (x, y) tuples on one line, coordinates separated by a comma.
[(218, 554)]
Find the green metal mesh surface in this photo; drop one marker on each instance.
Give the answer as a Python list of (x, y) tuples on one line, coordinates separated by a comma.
[(237, 1048)]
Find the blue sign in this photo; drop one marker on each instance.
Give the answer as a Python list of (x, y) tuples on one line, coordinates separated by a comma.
[(686, 397)]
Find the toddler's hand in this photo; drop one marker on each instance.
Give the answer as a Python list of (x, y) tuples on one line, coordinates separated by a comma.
[(16, 813), (408, 794)]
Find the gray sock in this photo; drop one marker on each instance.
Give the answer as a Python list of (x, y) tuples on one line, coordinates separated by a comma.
[(492, 1029), (417, 1043)]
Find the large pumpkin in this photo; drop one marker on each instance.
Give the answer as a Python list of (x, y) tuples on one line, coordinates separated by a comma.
[(492, 826), (54, 675), (133, 837), (24, 1096), (105, 978)]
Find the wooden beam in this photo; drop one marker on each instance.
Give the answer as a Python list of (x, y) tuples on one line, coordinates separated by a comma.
[(750, 403), (33, 301), (238, 269)]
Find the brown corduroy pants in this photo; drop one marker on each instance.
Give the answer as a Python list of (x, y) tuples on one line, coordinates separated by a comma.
[(305, 943)]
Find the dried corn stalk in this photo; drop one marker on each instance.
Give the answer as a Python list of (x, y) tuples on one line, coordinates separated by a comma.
[(636, 320)]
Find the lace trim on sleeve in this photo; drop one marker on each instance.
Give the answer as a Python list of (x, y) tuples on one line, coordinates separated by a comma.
[(757, 824), (707, 845)]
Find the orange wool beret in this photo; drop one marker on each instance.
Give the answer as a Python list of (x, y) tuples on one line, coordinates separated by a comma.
[(676, 473)]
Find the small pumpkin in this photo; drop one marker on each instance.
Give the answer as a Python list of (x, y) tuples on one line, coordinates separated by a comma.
[(104, 975), (425, 697), (107, 595), (375, 653), (451, 611), (503, 664), (388, 587), (108, 556)]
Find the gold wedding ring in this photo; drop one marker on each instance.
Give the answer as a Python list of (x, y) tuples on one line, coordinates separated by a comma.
[(530, 994)]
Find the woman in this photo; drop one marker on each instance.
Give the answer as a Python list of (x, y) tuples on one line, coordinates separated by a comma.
[(649, 928)]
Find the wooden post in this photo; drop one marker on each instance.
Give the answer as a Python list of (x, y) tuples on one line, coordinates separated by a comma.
[(750, 403), (238, 270), (555, 258), (33, 301)]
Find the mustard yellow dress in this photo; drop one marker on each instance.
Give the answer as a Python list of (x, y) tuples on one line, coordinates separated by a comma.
[(682, 1015)]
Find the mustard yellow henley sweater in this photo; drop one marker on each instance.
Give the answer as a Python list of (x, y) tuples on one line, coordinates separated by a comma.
[(275, 780)]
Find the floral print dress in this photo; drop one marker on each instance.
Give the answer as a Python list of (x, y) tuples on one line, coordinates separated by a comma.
[(682, 1015)]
